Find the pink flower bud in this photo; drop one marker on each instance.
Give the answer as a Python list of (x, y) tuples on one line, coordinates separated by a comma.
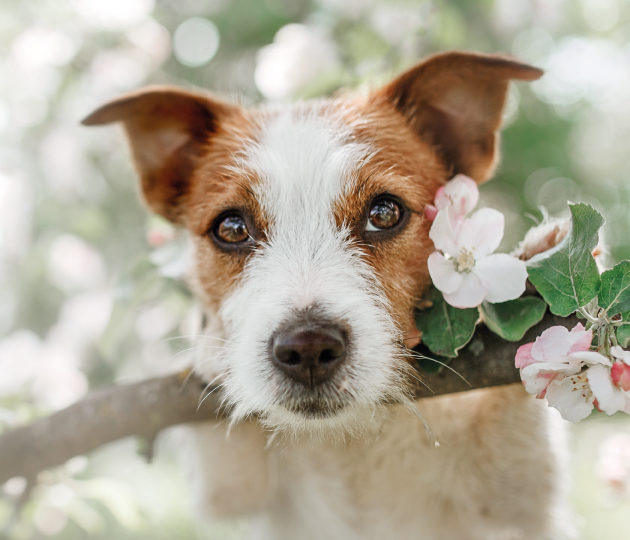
[(157, 238), (430, 212), (620, 375)]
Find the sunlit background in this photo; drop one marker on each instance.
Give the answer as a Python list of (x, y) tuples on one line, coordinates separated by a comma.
[(89, 283)]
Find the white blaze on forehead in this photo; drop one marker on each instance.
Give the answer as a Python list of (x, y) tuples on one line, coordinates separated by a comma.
[(306, 159)]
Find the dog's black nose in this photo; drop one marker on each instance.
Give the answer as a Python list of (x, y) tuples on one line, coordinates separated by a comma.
[(309, 355)]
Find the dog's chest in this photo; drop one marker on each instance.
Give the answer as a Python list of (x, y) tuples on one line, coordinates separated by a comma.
[(395, 482), (356, 489)]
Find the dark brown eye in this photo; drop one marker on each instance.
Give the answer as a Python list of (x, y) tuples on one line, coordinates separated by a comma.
[(385, 213), (232, 229)]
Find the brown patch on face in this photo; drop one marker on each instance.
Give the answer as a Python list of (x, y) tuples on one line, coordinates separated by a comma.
[(183, 144), (407, 168), (218, 186)]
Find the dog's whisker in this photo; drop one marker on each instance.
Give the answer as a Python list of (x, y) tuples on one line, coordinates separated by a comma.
[(193, 337), (187, 378), (208, 394), (209, 384), (225, 405), (417, 377), (196, 348), (423, 357), (271, 439), (411, 407), (200, 346)]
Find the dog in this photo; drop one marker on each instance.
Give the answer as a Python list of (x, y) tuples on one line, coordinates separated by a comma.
[(310, 250)]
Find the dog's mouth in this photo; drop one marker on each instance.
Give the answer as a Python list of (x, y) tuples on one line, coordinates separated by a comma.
[(322, 401), (315, 408)]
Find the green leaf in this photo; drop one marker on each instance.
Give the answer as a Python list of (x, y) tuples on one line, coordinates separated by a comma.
[(623, 331), (614, 294), (567, 276), (445, 329), (512, 319)]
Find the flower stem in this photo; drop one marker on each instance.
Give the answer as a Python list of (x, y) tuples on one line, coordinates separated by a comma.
[(592, 320)]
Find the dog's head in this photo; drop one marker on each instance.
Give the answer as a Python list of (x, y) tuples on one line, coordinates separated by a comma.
[(308, 227)]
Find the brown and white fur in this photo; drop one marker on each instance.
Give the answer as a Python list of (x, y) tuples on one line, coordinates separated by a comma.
[(341, 463)]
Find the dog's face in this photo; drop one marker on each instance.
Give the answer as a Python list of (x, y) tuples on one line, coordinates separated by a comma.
[(308, 226)]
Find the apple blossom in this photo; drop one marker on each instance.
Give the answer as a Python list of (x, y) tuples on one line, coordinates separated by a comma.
[(553, 367), (552, 355), (560, 367), (466, 271)]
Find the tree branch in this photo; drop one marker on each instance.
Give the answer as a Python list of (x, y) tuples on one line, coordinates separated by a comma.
[(145, 408)]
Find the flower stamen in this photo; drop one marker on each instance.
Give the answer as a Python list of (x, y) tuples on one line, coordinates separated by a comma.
[(465, 261)]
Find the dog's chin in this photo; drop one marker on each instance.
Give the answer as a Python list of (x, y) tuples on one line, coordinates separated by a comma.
[(323, 420)]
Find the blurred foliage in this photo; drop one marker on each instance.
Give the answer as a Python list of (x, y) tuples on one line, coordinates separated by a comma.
[(91, 286)]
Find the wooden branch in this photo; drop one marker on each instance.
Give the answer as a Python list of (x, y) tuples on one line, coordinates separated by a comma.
[(142, 409), (145, 408), (487, 360)]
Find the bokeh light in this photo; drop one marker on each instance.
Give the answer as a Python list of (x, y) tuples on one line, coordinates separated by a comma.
[(195, 41)]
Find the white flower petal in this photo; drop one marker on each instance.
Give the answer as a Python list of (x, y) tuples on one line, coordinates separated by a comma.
[(609, 398), (548, 367), (442, 200), (470, 293), (535, 382), (481, 232), (579, 339), (552, 345), (573, 405), (503, 276), (589, 357), (443, 273), (443, 233)]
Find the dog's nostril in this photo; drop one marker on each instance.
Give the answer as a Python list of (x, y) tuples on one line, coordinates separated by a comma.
[(327, 355), (293, 358), (309, 355)]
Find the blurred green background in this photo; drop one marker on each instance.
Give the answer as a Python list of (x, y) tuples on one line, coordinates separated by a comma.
[(90, 284)]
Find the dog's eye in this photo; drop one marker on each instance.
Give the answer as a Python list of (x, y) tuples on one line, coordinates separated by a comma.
[(231, 229), (385, 213)]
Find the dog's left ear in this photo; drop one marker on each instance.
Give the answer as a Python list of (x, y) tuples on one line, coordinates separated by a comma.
[(454, 101)]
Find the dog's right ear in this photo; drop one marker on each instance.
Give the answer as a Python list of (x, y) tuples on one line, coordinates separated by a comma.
[(168, 130)]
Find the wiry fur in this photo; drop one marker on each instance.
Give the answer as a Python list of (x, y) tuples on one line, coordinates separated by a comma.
[(335, 461), (305, 163)]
